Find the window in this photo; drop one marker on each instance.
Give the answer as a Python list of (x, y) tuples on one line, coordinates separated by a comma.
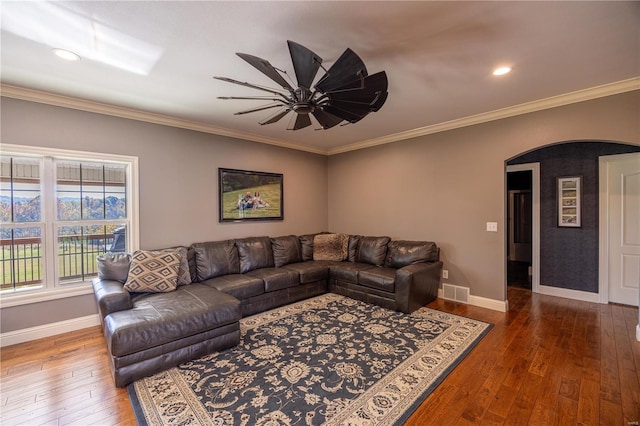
[(59, 210)]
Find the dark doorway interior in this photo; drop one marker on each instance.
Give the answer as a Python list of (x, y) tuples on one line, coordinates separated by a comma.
[(519, 229)]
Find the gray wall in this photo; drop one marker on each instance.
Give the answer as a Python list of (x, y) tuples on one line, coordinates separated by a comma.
[(569, 256), (445, 187), (178, 184), (440, 187)]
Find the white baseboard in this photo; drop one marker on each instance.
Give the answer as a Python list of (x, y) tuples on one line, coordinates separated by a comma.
[(483, 302), (584, 296), (47, 330)]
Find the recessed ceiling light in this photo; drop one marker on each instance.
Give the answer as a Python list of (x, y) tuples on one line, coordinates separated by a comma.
[(501, 70), (66, 54)]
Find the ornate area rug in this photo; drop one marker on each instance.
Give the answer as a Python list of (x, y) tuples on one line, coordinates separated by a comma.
[(326, 360)]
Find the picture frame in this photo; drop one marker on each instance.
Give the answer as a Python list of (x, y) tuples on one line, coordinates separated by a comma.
[(569, 201), (245, 195)]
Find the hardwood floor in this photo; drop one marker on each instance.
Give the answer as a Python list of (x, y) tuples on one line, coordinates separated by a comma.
[(548, 361)]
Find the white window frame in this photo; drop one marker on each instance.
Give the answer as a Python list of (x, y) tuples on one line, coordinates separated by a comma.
[(50, 289)]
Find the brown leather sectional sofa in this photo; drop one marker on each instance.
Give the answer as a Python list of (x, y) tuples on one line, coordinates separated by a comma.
[(150, 332)]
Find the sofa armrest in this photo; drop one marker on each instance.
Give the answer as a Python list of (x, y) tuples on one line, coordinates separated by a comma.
[(416, 285), (111, 296)]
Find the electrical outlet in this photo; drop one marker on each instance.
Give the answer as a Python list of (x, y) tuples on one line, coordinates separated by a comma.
[(492, 226), (445, 274)]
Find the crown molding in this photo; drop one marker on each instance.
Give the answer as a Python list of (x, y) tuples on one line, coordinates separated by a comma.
[(32, 95), (539, 105)]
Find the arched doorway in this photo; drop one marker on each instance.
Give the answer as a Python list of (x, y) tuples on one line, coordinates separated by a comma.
[(568, 256)]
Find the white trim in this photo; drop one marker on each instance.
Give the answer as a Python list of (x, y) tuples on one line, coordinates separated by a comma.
[(148, 117), (638, 332), (567, 293), (535, 220), (603, 229), (483, 302), (27, 297), (539, 105), (133, 114), (48, 330)]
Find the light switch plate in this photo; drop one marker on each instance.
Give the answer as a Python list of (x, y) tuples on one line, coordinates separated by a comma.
[(492, 226)]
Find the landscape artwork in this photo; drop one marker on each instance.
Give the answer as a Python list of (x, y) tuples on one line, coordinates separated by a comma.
[(246, 195)]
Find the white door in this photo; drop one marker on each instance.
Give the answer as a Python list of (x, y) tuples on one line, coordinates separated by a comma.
[(623, 212)]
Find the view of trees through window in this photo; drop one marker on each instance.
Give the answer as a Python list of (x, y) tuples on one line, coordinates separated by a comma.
[(88, 203)]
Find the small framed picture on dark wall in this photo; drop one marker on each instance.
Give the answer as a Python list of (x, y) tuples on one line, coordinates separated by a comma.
[(569, 194)]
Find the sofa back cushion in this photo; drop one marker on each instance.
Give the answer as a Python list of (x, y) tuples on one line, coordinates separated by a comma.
[(331, 247), (216, 258), (254, 253), (286, 250), (354, 240), (306, 244), (402, 253), (114, 266), (372, 250)]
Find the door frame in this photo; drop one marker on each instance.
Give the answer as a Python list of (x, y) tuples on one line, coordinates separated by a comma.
[(535, 220), (603, 233)]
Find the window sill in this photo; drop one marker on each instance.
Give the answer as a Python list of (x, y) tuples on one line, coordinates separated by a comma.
[(43, 295)]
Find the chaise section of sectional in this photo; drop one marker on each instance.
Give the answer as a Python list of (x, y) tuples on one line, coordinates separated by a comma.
[(162, 330)]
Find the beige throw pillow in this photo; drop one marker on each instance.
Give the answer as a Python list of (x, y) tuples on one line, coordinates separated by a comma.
[(153, 271), (331, 247)]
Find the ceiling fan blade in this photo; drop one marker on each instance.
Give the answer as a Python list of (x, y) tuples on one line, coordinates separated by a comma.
[(343, 71), (276, 117), (325, 119), (345, 115), (258, 109), (357, 108), (377, 104), (305, 63), (267, 69), (366, 88), (302, 121), (253, 86)]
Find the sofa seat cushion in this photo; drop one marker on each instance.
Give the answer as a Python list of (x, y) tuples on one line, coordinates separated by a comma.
[(379, 278), (160, 318), (276, 278), (348, 271), (237, 285), (311, 271)]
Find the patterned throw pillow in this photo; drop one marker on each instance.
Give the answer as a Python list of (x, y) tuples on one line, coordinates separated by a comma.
[(331, 247), (153, 271), (184, 276)]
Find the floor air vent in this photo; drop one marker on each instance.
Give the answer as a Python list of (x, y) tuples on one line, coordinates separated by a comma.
[(455, 293)]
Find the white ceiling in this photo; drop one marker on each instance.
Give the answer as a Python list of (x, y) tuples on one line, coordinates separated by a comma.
[(159, 57)]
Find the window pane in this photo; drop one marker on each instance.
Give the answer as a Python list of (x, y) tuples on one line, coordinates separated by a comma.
[(21, 258), (90, 191), (78, 247), (20, 190), (68, 193)]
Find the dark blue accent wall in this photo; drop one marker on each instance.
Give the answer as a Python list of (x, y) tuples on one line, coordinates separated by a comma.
[(569, 256)]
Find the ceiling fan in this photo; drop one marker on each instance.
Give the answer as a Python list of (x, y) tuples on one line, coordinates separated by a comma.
[(345, 93)]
